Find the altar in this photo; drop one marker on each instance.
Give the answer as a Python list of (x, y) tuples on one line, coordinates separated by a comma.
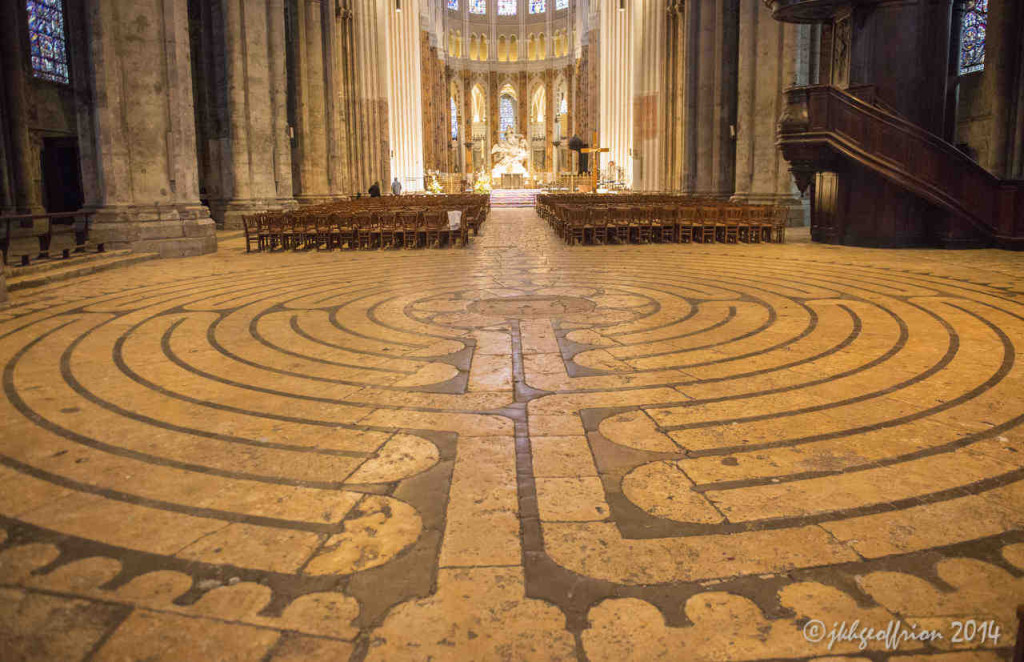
[(511, 155), (512, 180)]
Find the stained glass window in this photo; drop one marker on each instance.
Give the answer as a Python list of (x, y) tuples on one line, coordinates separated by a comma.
[(477, 6), (455, 119), (506, 114), (47, 41), (972, 36), (563, 106), (538, 6), (453, 4), (507, 7), (561, 4)]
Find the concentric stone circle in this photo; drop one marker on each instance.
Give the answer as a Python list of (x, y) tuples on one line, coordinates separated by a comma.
[(656, 418)]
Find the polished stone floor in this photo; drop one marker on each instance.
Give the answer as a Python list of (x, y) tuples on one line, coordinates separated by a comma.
[(518, 451)]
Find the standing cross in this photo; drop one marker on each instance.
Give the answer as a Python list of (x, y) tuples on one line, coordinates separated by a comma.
[(595, 165)]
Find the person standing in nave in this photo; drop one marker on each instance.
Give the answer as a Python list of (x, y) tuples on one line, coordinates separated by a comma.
[(396, 187), (375, 190)]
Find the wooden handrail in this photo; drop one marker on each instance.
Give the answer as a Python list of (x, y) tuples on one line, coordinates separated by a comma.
[(899, 150)]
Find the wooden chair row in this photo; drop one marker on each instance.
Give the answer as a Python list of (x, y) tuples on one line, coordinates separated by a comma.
[(475, 207), (633, 223), (359, 230)]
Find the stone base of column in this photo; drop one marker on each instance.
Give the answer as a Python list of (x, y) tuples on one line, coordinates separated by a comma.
[(228, 213), (171, 231), (799, 209), (3, 289)]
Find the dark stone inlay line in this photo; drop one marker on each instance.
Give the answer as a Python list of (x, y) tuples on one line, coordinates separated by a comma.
[(730, 315), (255, 333), (951, 351), (579, 371)]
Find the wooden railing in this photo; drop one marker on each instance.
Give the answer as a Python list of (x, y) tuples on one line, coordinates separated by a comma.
[(79, 220), (822, 124)]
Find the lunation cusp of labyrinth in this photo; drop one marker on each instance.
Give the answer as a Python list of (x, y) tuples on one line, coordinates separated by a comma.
[(345, 439)]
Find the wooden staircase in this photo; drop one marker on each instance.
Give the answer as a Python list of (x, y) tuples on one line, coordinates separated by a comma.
[(877, 179)]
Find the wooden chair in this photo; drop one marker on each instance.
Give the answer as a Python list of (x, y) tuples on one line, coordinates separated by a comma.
[(710, 220), (343, 231), (755, 223), (406, 222), (366, 232), (252, 237), (434, 222), (304, 231), (263, 230), (733, 219), (458, 238), (641, 221), (663, 221), (281, 232), (577, 224), (686, 223), (779, 218), (388, 226), (598, 225), (620, 218), (322, 232)]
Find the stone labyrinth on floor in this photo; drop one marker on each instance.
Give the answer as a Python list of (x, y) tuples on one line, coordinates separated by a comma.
[(521, 451)]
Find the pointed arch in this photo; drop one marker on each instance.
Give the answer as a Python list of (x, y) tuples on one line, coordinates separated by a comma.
[(538, 104), (478, 101)]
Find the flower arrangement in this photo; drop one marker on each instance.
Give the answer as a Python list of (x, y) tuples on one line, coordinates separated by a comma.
[(483, 183)]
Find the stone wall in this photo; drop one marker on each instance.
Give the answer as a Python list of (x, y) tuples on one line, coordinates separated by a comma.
[(974, 119), (33, 112), (990, 112)]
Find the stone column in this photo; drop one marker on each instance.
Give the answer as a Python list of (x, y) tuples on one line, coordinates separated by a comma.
[(311, 119), (1003, 83), (675, 60), (338, 126), (251, 171), (701, 47), (616, 84), (405, 101), (549, 114), (715, 103), (687, 80), (370, 145), (142, 129), (649, 41), (279, 101), (772, 57)]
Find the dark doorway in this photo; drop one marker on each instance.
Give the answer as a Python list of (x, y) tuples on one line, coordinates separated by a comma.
[(62, 175)]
